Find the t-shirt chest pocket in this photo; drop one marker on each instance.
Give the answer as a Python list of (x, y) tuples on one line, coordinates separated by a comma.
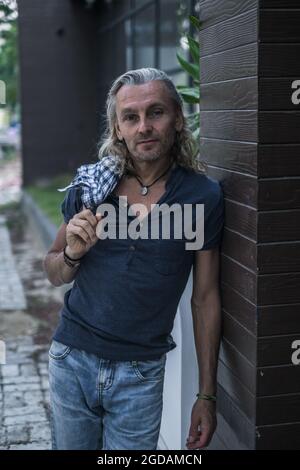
[(169, 256)]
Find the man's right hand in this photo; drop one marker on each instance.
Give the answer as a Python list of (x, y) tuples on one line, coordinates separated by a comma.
[(81, 233)]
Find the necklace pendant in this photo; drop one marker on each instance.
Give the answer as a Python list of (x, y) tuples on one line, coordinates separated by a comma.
[(144, 190)]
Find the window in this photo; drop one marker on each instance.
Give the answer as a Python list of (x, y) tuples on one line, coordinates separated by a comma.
[(144, 38), (151, 32)]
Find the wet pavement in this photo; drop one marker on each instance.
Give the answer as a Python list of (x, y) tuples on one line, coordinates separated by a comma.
[(10, 180), (29, 311)]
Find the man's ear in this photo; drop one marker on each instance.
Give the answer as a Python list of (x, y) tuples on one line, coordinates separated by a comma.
[(118, 132), (179, 122)]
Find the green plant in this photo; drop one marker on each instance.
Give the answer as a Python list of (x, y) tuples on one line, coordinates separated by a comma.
[(191, 94), (9, 69), (48, 198)]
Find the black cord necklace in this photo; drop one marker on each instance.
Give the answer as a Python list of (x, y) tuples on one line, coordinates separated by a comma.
[(144, 187)]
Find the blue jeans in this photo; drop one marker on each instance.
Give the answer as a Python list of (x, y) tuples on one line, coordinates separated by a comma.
[(98, 403)]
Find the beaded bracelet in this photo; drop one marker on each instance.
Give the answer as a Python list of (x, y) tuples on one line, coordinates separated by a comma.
[(206, 397)]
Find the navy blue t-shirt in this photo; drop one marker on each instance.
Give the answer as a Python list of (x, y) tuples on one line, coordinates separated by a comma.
[(126, 292)]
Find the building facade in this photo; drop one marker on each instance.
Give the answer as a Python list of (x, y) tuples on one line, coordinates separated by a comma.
[(69, 56)]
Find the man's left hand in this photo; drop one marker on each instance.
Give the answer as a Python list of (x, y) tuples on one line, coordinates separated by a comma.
[(203, 415)]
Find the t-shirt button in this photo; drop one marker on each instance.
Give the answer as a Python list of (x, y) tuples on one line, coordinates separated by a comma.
[(132, 247)]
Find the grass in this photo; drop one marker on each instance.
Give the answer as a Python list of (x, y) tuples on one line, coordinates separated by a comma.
[(9, 154), (14, 205), (49, 199)]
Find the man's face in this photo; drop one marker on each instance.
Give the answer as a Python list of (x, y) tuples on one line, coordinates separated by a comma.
[(147, 120)]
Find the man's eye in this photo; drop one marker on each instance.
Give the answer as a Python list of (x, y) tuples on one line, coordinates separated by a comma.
[(157, 112), (130, 117)]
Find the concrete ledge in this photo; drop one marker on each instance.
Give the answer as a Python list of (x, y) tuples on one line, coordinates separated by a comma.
[(47, 230)]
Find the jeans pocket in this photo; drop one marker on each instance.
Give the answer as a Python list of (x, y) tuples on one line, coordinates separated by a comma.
[(58, 351), (150, 369)]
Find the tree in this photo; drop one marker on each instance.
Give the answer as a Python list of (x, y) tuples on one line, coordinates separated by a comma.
[(9, 52)]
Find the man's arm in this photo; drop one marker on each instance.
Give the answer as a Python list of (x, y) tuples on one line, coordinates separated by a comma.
[(207, 321), (206, 312), (58, 272), (78, 236)]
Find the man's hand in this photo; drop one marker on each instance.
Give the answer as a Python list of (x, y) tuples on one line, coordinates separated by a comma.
[(81, 233), (203, 415)]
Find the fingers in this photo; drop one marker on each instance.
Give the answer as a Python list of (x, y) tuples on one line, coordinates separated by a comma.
[(87, 214), (86, 227), (83, 226), (199, 442), (200, 433), (78, 231), (86, 222), (192, 440), (199, 439)]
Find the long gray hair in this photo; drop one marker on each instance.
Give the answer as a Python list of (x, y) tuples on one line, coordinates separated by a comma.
[(184, 150)]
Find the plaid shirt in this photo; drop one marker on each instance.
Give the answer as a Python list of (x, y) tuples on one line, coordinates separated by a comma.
[(97, 180)]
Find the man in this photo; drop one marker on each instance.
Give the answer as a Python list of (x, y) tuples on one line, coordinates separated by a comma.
[(107, 358)]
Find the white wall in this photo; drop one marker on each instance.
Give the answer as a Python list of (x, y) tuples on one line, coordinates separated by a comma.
[(181, 378)]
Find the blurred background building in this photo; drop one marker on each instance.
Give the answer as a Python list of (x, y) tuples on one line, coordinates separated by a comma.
[(70, 52)]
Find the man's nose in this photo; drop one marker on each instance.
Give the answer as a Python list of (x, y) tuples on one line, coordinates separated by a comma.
[(144, 125)]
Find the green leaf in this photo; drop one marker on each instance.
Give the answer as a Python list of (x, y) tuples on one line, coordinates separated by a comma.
[(191, 96), (191, 69), (193, 115), (196, 134), (194, 123), (194, 48), (187, 89), (195, 22), (193, 92), (189, 99)]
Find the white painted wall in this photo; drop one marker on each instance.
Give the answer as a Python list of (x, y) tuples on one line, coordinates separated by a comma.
[(181, 378)]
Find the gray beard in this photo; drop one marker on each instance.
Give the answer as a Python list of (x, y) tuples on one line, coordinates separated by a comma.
[(149, 157)]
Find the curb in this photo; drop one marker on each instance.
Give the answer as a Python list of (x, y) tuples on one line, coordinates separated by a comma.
[(47, 229)]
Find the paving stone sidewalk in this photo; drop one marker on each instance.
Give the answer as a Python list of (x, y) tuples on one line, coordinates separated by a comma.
[(29, 310), (11, 289), (24, 400)]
